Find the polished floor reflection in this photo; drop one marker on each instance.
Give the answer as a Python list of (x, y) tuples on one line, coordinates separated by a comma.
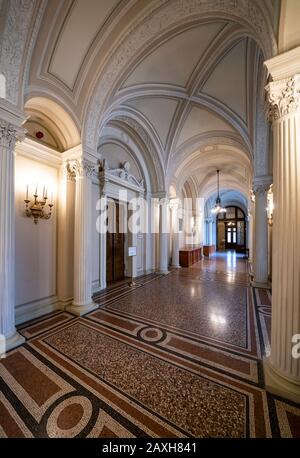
[(174, 356)]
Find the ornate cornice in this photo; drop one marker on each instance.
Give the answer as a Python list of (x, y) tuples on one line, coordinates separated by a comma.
[(9, 134), (79, 168), (261, 189), (14, 40), (283, 97)]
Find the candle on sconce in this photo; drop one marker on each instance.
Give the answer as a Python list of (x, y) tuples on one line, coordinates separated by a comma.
[(27, 192), (51, 198), (44, 192), (36, 190)]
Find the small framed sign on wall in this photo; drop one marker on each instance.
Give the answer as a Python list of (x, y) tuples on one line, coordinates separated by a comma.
[(132, 251)]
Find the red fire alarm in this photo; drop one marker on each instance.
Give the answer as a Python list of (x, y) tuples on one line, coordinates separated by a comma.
[(39, 134)]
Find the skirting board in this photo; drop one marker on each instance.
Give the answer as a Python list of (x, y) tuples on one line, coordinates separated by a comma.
[(96, 287), (35, 309)]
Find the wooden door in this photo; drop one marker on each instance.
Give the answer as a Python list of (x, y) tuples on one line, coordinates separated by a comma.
[(115, 248)]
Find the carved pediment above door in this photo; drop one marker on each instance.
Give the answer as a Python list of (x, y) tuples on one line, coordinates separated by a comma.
[(121, 175)]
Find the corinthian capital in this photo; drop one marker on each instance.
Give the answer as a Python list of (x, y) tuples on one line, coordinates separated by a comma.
[(260, 189), (81, 168), (9, 134), (283, 97)]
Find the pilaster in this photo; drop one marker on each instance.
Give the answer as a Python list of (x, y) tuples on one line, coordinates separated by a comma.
[(82, 170)]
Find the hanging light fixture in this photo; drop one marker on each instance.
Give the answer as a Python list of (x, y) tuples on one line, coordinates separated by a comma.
[(218, 206)]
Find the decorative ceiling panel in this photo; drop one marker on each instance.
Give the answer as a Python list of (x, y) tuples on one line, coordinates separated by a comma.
[(228, 83), (200, 121), (159, 111), (81, 25), (174, 60)]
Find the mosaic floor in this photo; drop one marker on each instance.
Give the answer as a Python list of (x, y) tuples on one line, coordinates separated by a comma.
[(175, 356)]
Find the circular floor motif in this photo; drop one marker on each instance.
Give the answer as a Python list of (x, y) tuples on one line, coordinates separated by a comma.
[(70, 417), (151, 334)]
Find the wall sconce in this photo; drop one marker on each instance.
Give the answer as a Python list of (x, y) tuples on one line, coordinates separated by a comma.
[(36, 210)]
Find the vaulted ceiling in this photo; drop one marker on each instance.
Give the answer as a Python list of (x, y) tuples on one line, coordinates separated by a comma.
[(196, 87), (193, 88)]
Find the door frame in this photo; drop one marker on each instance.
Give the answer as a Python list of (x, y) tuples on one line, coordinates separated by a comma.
[(235, 220)]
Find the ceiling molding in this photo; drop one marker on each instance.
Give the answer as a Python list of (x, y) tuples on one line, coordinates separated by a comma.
[(170, 16)]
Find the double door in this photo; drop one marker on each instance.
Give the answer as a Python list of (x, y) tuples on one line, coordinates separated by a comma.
[(230, 236)]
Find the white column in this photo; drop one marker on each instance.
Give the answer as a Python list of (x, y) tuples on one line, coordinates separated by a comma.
[(132, 241), (282, 367), (163, 236), (175, 233), (149, 239), (9, 336), (260, 258), (82, 302), (103, 232), (210, 231), (65, 248), (251, 226)]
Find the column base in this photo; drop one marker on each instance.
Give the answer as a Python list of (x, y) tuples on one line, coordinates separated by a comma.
[(257, 284), (175, 266), (13, 341), (279, 384), (80, 310), (162, 272)]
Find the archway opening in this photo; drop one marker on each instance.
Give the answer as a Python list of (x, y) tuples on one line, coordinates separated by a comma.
[(231, 230)]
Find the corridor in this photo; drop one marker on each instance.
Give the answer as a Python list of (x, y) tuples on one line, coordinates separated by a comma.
[(175, 356)]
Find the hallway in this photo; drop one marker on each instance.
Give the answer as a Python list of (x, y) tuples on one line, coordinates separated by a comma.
[(177, 356)]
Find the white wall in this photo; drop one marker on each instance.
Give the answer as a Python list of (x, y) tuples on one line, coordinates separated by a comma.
[(35, 267)]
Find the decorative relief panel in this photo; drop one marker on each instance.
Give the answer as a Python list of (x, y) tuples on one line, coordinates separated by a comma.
[(123, 172), (9, 134), (13, 42), (81, 168), (283, 97)]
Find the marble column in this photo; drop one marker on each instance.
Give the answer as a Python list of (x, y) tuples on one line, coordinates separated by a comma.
[(260, 258), (282, 367), (10, 338), (82, 301), (163, 236), (175, 233)]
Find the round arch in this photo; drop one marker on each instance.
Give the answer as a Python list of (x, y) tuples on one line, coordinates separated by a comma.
[(151, 28), (56, 119)]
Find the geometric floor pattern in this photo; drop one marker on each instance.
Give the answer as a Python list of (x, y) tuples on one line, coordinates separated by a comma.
[(175, 356)]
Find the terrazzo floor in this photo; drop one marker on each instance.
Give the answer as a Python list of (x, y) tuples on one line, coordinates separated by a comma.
[(175, 356)]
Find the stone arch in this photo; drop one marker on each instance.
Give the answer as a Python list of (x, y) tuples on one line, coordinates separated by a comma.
[(169, 16), (143, 144), (56, 119)]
